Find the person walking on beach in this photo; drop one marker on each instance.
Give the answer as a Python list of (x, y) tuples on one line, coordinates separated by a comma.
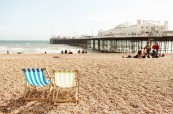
[(155, 48), (148, 49)]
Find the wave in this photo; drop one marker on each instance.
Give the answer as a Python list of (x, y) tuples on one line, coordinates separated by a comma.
[(34, 47)]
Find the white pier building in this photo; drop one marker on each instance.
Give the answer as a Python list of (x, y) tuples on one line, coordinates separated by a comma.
[(142, 28)]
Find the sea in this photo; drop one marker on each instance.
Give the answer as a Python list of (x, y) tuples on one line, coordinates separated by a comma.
[(45, 46), (35, 47)]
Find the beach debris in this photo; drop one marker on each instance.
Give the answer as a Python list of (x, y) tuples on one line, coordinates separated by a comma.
[(55, 57), (19, 52)]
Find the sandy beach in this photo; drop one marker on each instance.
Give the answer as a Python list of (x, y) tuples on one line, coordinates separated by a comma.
[(109, 84)]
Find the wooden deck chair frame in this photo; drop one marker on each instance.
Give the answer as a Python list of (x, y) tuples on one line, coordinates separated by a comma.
[(29, 89), (56, 89)]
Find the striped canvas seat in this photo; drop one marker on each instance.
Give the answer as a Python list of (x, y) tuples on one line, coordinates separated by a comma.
[(36, 77), (65, 78)]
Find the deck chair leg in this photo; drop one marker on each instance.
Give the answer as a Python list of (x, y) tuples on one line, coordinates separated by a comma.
[(53, 96), (77, 95), (48, 96), (30, 92), (57, 93)]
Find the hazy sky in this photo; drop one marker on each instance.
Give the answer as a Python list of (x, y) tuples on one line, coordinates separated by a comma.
[(39, 19)]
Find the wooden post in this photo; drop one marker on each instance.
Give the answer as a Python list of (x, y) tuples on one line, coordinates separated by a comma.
[(93, 44), (165, 46), (171, 46), (98, 45)]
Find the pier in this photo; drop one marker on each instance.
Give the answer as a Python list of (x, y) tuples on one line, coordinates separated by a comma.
[(119, 44)]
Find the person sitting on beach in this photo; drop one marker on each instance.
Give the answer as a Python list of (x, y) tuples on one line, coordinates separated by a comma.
[(155, 48), (83, 51), (129, 56), (78, 51), (145, 51), (70, 52), (161, 55), (148, 49), (62, 52), (139, 55)]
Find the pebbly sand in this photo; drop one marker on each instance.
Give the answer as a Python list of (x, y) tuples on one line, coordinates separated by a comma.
[(109, 84)]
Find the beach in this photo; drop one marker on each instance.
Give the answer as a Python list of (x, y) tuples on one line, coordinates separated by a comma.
[(109, 84)]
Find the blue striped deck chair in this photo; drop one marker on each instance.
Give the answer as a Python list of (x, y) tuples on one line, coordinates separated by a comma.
[(35, 79), (66, 80)]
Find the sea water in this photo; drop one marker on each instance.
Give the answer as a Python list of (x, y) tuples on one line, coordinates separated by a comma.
[(35, 47)]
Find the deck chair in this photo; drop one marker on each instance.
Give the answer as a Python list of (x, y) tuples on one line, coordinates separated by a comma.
[(66, 80), (36, 80)]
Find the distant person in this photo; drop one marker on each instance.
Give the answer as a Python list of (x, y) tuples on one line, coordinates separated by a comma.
[(163, 55), (83, 51), (145, 51), (78, 51), (65, 51), (138, 55), (129, 56), (45, 52), (155, 48), (7, 52), (70, 52), (148, 48), (62, 52)]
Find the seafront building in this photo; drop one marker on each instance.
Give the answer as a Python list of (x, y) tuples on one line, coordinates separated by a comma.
[(141, 29)]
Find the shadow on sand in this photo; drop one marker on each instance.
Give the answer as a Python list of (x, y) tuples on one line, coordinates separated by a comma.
[(21, 107)]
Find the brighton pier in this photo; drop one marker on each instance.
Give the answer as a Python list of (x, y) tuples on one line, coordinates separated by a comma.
[(119, 44)]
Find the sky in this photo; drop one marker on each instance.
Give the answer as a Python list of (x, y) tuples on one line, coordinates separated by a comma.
[(40, 19)]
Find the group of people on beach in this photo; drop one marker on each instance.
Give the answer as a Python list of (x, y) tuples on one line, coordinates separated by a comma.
[(8, 52), (66, 52), (83, 51), (70, 52), (146, 52)]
